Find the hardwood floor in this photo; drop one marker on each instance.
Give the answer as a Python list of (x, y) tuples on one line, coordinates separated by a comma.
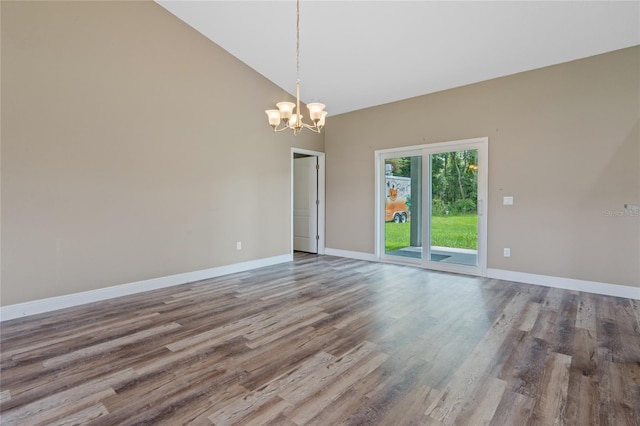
[(329, 341)]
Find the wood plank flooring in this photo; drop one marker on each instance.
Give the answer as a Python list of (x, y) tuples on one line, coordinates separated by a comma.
[(328, 341)]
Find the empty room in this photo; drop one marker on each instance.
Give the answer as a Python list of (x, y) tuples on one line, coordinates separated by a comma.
[(320, 212)]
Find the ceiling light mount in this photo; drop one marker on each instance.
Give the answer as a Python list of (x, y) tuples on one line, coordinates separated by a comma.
[(288, 116)]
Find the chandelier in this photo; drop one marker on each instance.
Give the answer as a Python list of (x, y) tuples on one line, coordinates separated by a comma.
[(284, 117)]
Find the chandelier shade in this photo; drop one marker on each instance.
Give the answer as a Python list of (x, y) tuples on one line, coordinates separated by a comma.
[(288, 115)]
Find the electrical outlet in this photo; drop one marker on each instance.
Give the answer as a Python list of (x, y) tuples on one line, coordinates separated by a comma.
[(239, 245), (507, 252)]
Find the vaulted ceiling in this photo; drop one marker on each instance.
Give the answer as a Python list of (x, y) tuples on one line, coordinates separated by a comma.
[(356, 54)]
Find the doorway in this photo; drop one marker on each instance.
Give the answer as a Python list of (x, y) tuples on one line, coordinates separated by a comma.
[(307, 201), (431, 208)]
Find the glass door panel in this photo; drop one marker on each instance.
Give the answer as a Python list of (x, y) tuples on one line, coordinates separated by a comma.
[(453, 215), (403, 207)]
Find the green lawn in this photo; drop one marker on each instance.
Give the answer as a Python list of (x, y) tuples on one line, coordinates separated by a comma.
[(446, 231)]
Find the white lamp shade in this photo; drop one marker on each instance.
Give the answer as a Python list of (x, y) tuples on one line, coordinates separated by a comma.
[(315, 111), (274, 116), (323, 116), (286, 109)]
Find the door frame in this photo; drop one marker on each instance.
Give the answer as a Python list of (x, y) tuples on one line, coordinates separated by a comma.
[(321, 195), (482, 145)]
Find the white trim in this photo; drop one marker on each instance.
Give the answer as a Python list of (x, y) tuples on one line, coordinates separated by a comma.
[(60, 302), (435, 145), (351, 254), (321, 195), (379, 205), (606, 289), (616, 290), (455, 268)]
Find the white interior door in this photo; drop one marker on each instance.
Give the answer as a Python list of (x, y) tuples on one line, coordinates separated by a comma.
[(305, 206)]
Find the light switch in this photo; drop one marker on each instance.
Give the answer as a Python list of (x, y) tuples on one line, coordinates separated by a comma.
[(507, 201)]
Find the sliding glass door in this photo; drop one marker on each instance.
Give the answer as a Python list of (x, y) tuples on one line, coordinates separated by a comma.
[(431, 209)]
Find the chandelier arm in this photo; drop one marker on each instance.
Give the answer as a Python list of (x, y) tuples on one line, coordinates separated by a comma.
[(297, 127), (313, 128), (280, 129)]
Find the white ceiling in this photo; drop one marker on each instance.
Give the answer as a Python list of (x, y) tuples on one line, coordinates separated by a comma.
[(356, 54)]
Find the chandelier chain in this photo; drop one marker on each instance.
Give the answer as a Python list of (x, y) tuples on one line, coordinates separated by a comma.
[(298, 41)]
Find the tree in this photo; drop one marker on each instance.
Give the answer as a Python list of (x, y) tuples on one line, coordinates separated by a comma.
[(453, 179), (401, 166)]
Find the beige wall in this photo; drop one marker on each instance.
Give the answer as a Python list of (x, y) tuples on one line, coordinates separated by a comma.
[(564, 141), (132, 148)]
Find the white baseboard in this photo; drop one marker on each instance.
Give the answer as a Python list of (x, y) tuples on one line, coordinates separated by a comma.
[(351, 254), (60, 302), (606, 289)]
